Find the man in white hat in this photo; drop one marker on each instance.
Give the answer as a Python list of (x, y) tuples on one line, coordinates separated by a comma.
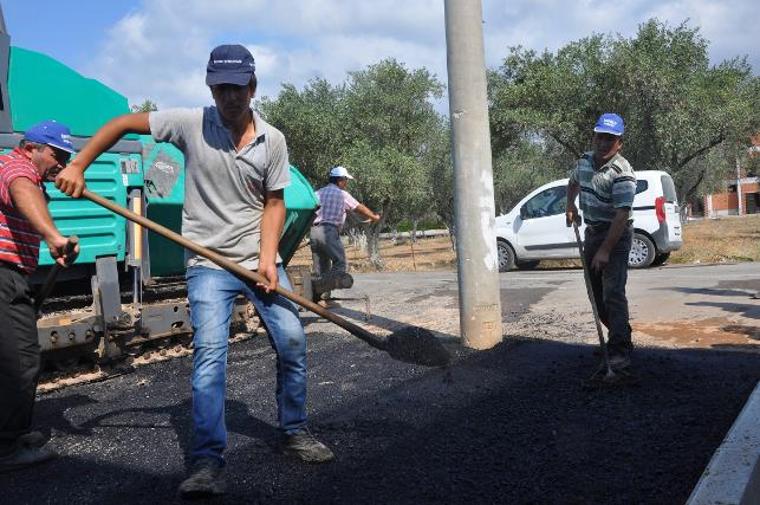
[(326, 248)]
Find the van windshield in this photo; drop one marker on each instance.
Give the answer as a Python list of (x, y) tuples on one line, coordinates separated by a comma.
[(669, 189)]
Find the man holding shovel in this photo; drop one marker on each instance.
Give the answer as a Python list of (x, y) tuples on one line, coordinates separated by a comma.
[(327, 251), (607, 185), (236, 169), (24, 221)]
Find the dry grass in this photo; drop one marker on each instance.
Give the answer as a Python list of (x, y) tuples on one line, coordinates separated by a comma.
[(427, 254), (722, 240)]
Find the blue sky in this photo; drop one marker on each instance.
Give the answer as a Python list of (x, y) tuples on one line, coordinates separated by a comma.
[(157, 49)]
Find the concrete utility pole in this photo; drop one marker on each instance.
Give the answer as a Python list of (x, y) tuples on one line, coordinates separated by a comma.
[(477, 259)]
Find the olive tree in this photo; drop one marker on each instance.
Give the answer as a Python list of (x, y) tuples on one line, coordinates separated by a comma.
[(380, 123), (677, 107)]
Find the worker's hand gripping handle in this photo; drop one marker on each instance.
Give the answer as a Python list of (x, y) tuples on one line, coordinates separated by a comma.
[(47, 286), (71, 245)]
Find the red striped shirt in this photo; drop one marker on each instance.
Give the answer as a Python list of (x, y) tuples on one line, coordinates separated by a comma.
[(19, 241)]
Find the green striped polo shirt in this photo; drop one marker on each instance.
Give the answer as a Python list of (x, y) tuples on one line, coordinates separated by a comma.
[(605, 190)]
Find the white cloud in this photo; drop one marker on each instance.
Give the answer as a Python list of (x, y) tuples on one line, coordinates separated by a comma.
[(159, 50), (731, 27)]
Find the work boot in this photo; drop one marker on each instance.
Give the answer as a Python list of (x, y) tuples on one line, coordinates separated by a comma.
[(206, 479), (619, 360), (305, 447), (323, 283), (344, 281), (24, 457)]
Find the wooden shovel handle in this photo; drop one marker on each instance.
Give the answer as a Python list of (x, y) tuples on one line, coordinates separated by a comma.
[(234, 268)]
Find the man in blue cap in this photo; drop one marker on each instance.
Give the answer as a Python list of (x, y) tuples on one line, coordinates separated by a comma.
[(607, 185), (24, 221), (236, 170)]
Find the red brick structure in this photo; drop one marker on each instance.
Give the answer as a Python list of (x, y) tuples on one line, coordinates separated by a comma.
[(727, 203)]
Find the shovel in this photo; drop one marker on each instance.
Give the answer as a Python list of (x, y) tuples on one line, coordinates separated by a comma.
[(609, 375), (409, 344)]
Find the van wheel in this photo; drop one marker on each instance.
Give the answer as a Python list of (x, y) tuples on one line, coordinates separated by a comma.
[(506, 256), (528, 265), (660, 259), (642, 252)]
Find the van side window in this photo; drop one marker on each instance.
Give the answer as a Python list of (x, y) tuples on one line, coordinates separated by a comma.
[(641, 186), (669, 189), (549, 202)]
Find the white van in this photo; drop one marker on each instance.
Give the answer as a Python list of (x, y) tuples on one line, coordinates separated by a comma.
[(535, 228)]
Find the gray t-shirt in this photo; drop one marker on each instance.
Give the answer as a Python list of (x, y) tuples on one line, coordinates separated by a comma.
[(224, 189)]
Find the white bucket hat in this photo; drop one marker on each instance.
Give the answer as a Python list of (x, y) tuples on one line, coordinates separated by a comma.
[(340, 172)]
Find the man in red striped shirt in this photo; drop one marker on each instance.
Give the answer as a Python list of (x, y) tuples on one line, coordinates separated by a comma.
[(24, 221)]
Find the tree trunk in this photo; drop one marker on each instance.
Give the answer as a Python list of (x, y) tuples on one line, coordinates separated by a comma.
[(373, 248), (373, 237), (452, 235), (414, 231), (691, 190)]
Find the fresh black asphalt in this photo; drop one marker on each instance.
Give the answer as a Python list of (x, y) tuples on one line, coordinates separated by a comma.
[(509, 425)]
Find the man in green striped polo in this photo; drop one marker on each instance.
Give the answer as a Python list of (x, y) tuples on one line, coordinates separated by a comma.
[(607, 184)]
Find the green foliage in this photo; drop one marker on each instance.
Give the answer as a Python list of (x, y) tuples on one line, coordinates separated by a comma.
[(677, 108), (313, 121), (751, 164), (390, 125), (430, 223), (440, 175), (146, 106), (380, 124), (519, 169)]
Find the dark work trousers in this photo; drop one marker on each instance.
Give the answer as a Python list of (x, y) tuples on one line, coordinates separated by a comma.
[(19, 357), (327, 250), (609, 287)]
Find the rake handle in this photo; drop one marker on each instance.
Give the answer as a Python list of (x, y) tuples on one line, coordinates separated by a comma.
[(234, 268)]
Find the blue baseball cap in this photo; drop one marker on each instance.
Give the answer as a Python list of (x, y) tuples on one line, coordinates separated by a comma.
[(230, 64), (611, 123), (52, 133)]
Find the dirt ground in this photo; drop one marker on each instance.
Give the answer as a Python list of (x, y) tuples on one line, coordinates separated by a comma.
[(400, 256)]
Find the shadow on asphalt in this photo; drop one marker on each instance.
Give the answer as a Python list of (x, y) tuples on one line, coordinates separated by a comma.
[(509, 425), (359, 316), (53, 411), (708, 291), (743, 309)]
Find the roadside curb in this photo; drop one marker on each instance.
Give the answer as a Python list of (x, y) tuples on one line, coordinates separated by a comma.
[(733, 475)]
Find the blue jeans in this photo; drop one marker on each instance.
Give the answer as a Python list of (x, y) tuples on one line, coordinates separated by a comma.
[(212, 293), (327, 250)]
